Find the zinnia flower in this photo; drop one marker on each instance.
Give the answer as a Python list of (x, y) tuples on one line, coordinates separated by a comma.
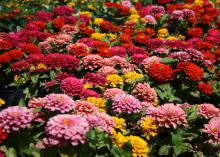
[(169, 115), (72, 86), (205, 88), (66, 128), (161, 72), (139, 146), (114, 80), (213, 130), (85, 108), (112, 92), (92, 62), (120, 124), (149, 127), (15, 118), (144, 92), (208, 110), (132, 76), (101, 120), (59, 102), (123, 103)]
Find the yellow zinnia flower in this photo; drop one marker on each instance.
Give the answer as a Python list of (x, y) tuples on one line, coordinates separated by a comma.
[(162, 33), (120, 123), (139, 146), (98, 102), (132, 76), (119, 139), (97, 21), (114, 80), (98, 36), (86, 13), (149, 127)]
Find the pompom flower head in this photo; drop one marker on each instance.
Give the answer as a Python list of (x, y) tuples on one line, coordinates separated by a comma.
[(123, 103), (59, 102), (169, 115), (66, 128), (84, 108), (144, 92), (16, 118), (112, 92), (72, 86), (208, 111), (213, 130)]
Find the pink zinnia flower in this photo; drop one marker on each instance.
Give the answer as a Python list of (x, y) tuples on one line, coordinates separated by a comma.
[(107, 62), (65, 128), (94, 79), (16, 118), (92, 62), (208, 111), (138, 58), (123, 103), (69, 29), (213, 130), (126, 3), (144, 92), (149, 61), (118, 61), (107, 70), (168, 115), (72, 86), (150, 19), (36, 103), (112, 92), (59, 102), (84, 108), (101, 120)]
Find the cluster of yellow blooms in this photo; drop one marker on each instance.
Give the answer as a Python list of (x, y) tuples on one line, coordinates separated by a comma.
[(139, 146), (162, 33), (149, 127), (120, 124), (98, 102), (2, 102), (132, 76), (114, 80)]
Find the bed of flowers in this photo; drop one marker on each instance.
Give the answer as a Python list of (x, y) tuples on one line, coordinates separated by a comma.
[(113, 79)]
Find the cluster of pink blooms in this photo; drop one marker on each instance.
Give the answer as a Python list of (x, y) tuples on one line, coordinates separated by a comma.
[(150, 19), (123, 103), (161, 51), (66, 127), (208, 110), (16, 118), (112, 92), (138, 58), (213, 130), (85, 108), (144, 92), (72, 86), (101, 120), (168, 115), (118, 51)]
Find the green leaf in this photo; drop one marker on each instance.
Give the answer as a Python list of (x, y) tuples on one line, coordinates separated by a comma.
[(177, 149), (164, 150), (21, 102)]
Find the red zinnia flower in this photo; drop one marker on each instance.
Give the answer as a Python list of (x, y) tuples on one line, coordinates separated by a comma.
[(3, 136), (5, 45), (29, 48), (205, 88), (58, 23), (161, 72), (195, 32)]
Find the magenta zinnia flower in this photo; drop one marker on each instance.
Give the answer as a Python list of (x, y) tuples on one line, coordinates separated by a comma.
[(123, 103), (59, 102), (144, 92), (66, 128), (168, 115), (208, 110), (213, 130), (16, 118), (94, 79), (72, 86)]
